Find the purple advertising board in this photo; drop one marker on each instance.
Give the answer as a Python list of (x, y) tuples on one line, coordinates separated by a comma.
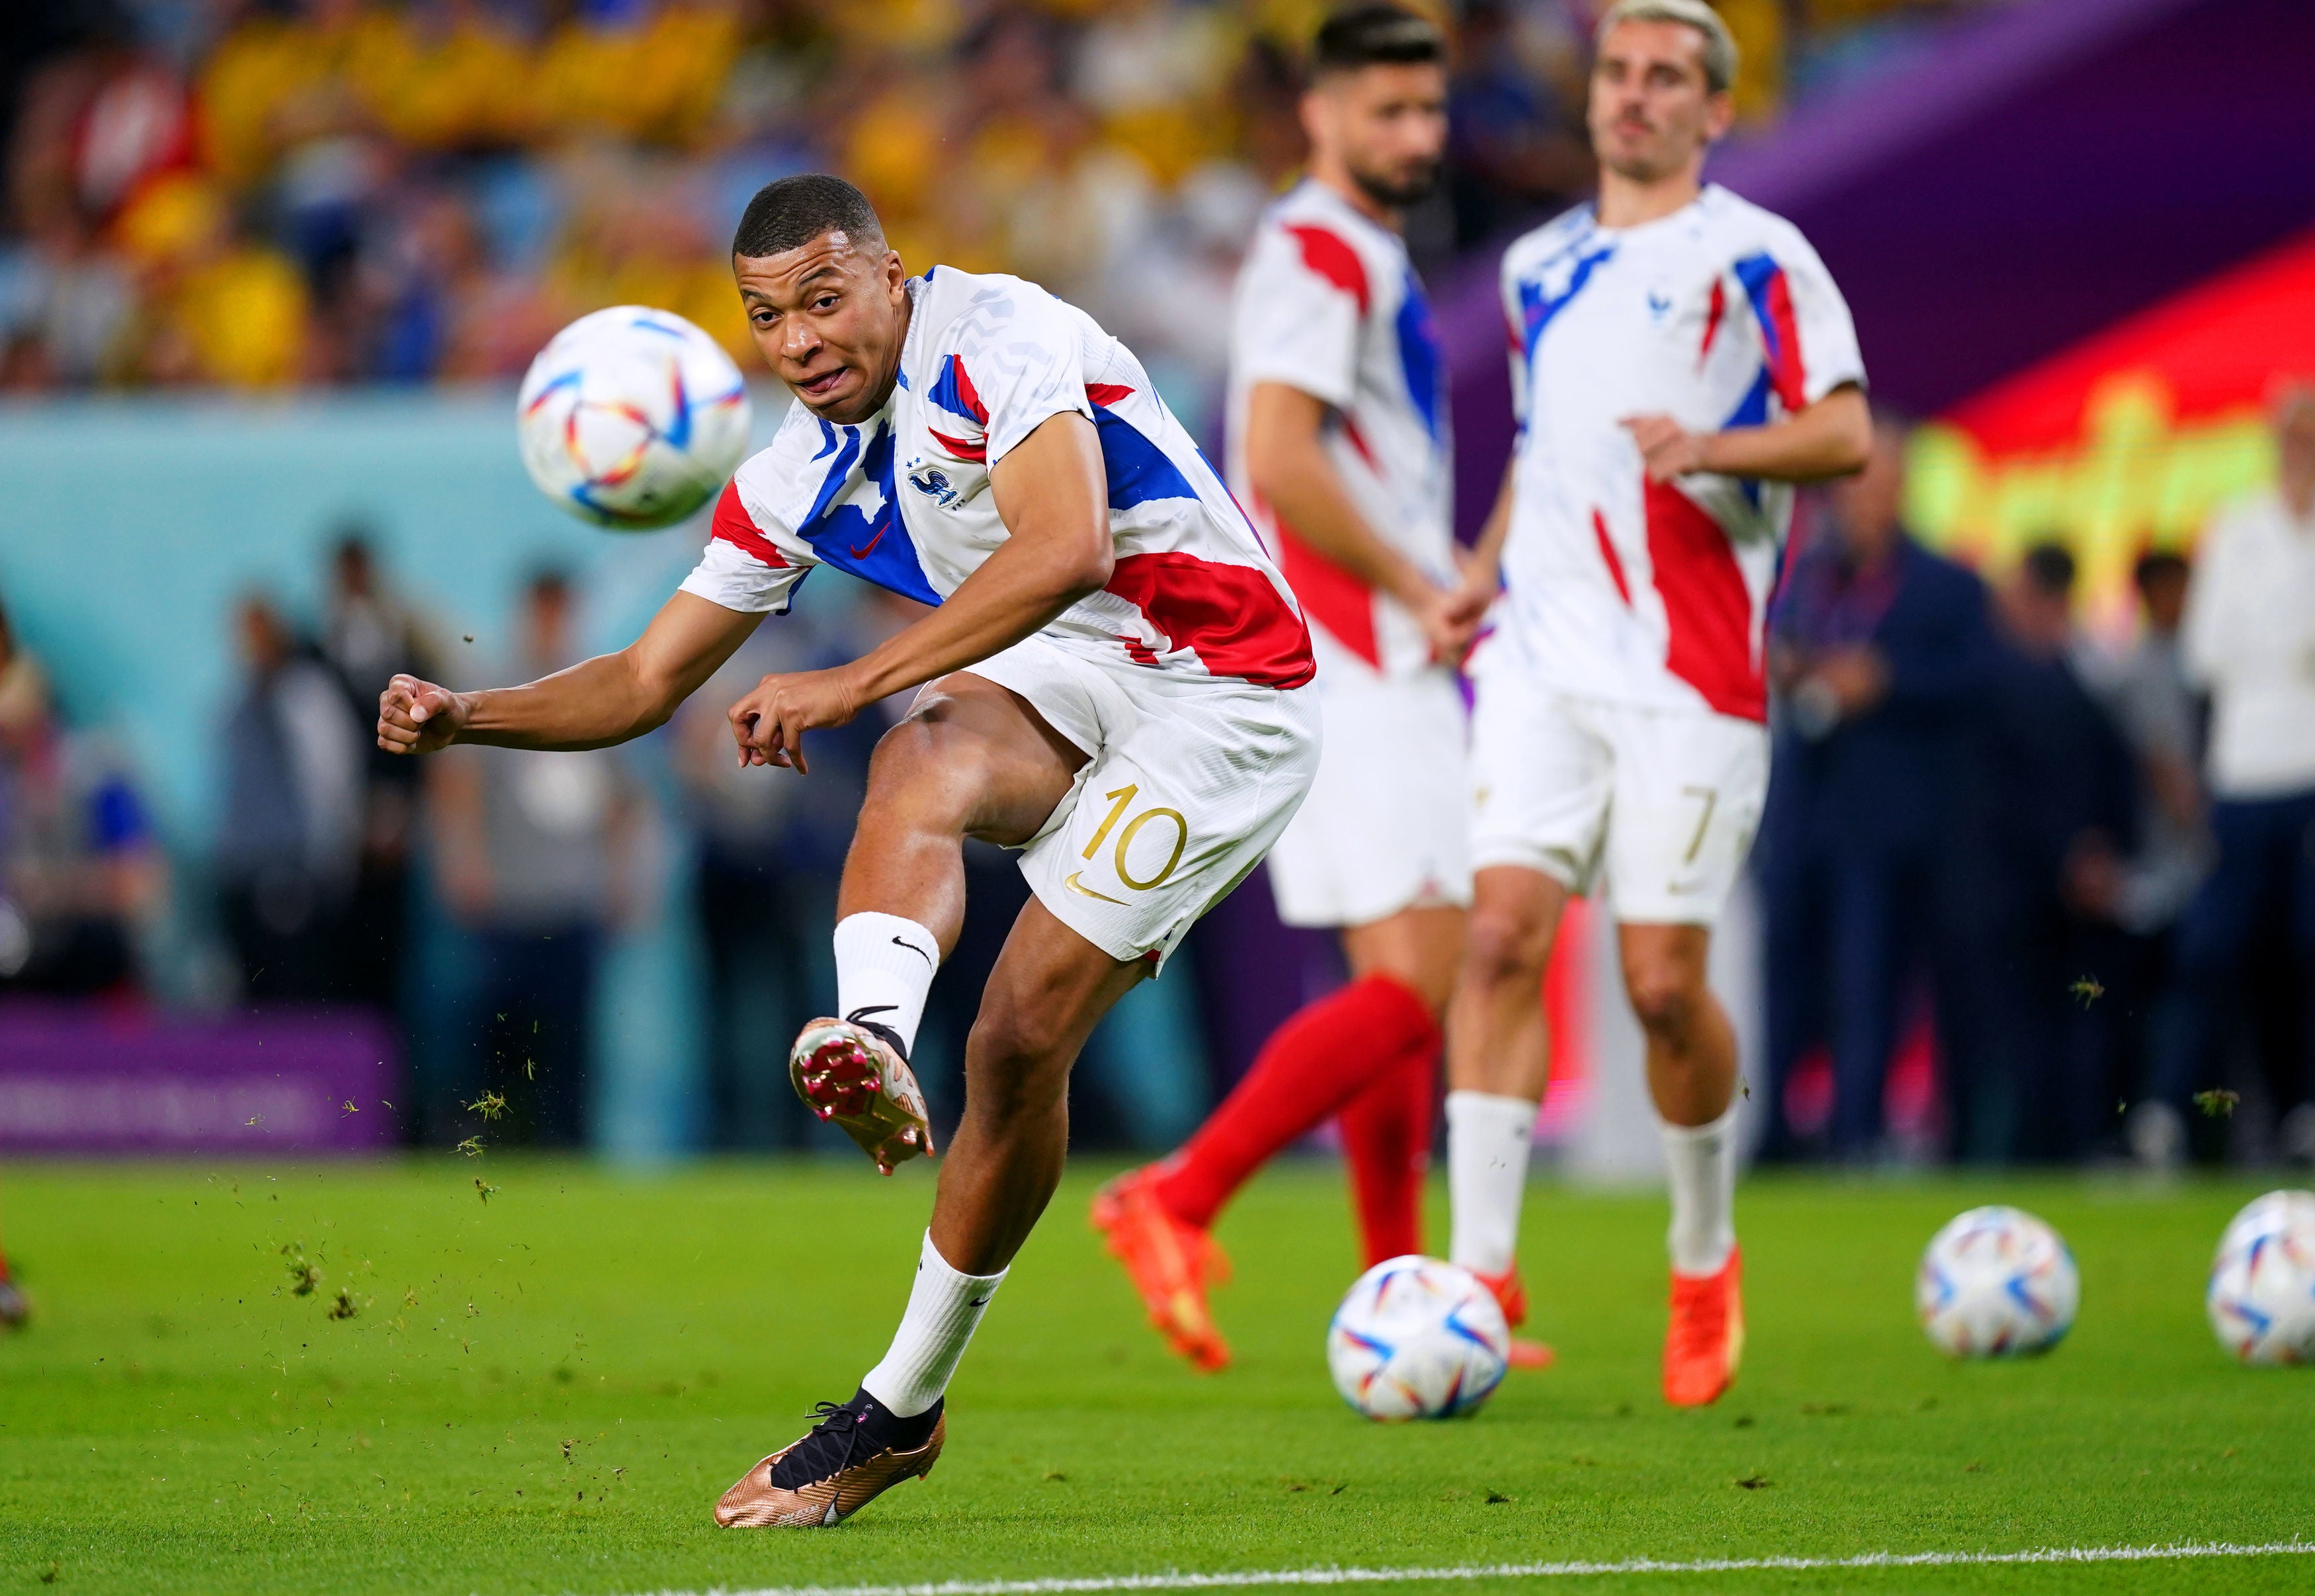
[(128, 1081)]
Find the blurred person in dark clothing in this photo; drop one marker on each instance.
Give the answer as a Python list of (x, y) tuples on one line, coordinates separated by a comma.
[(2052, 810), (2160, 713), (368, 633), (2249, 634), (1513, 153), (290, 831), (1878, 647), (535, 856), (80, 875), (771, 847)]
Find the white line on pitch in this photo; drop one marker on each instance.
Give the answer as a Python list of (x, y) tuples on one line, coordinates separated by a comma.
[(1483, 1571)]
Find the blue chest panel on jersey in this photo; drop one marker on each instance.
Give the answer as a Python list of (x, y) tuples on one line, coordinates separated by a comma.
[(1418, 354), (1537, 305), (860, 530), (1137, 469)]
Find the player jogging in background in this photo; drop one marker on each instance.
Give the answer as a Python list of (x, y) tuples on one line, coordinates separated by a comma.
[(1111, 680), (1339, 448), (1680, 358)]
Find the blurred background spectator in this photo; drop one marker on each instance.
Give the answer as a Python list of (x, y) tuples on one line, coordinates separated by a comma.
[(289, 851), (1879, 651), (2246, 946), (80, 878), (535, 857), (370, 634)]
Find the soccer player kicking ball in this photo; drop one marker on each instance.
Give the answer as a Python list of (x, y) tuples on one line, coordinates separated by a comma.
[(1680, 358), (1339, 447), (1112, 676)]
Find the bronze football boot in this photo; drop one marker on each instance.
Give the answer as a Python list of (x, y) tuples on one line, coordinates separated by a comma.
[(856, 1453), (854, 1073)]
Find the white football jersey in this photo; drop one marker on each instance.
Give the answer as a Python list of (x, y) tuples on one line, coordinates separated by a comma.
[(1327, 302), (1718, 315), (903, 499)]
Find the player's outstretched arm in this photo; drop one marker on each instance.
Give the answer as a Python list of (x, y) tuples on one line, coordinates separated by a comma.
[(1833, 437), (1052, 494), (1289, 466), (596, 703)]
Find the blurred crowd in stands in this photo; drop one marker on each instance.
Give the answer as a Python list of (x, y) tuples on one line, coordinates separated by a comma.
[(2086, 873), (260, 192)]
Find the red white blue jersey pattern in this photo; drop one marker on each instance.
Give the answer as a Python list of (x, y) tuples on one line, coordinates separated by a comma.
[(903, 499), (1718, 316), (1327, 302)]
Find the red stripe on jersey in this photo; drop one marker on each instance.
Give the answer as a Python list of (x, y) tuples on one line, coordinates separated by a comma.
[(1707, 607), (1607, 553), (1330, 595), (1107, 393), (1358, 441), (965, 391), (1713, 312), (736, 527), (1330, 257), (963, 448), (1230, 614), (1786, 373)]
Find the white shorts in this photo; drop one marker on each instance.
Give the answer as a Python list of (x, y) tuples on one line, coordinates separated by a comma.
[(1190, 781), (1387, 823), (1666, 800)]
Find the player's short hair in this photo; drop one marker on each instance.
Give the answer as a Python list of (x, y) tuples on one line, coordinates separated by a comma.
[(2158, 565), (792, 211), (1376, 34), (1719, 43), (2049, 567)]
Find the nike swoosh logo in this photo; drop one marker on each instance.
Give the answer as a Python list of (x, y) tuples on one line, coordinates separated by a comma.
[(864, 554), (980, 1302), (912, 947), (1071, 883)]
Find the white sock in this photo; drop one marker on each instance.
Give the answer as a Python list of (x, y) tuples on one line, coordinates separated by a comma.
[(1487, 1176), (884, 966), (944, 1308), (1702, 1160)]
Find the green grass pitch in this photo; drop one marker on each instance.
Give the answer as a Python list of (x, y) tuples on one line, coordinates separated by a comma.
[(546, 1391)]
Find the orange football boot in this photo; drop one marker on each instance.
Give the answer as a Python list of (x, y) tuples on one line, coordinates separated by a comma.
[(1170, 1263), (1705, 1341), (1510, 1295)]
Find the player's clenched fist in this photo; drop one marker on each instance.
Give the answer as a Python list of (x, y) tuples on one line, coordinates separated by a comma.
[(769, 722), (417, 717)]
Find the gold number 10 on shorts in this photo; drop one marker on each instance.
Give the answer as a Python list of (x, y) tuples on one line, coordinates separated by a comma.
[(1123, 798)]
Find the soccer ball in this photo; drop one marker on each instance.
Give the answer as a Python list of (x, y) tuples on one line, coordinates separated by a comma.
[(632, 418), (1417, 1339), (1996, 1283), (2262, 1290)]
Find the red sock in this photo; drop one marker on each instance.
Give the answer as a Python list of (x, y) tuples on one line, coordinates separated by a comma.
[(1322, 1056), (1387, 1141)]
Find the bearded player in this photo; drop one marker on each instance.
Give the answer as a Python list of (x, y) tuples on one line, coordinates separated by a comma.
[(1339, 448), (1110, 686), (1681, 357)]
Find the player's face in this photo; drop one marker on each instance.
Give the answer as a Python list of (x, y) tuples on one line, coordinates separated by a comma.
[(1388, 126), (830, 320), (1652, 112)]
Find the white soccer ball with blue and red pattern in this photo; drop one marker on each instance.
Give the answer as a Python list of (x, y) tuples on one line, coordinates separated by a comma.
[(631, 419), (1996, 1283), (1416, 1338), (2262, 1293)]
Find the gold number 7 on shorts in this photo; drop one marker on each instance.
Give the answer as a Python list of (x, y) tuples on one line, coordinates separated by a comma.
[(1711, 796), (1121, 798)]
